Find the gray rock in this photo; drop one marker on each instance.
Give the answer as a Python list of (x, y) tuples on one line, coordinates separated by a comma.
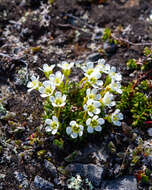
[(123, 183), (93, 57), (90, 171), (90, 154), (22, 179), (149, 132), (42, 184), (50, 168)]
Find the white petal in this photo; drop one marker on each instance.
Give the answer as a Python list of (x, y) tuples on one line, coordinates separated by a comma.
[(95, 117), (58, 94), (101, 121), (99, 82), (44, 95), (54, 131), (97, 104), (85, 107), (52, 99), (120, 116), (45, 66), (94, 91), (80, 133), (98, 96), (48, 121), (90, 129), (29, 85), (64, 97), (47, 83), (88, 121), (90, 65), (51, 77), (88, 91), (98, 75), (63, 104), (89, 101), (98, 128), (90, 114), (113, 103), (101, 61), (33, 78), (73, 123), (113, 69), (54, 118), (41, 89), (117, 123), (97, 111), (81, 127), (48, 129), (119, 91), (68, 130), (58, 74), (74, 135)]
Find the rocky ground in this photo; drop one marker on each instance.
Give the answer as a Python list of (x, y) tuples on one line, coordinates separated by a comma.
[(34, 32)]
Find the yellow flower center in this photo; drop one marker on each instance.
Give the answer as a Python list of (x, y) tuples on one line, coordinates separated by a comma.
[(91, 96), (90, 108), (58, 101), (48, 90), (57, 81), (54, 125), (94, 123), (89, 71), (75, 128)]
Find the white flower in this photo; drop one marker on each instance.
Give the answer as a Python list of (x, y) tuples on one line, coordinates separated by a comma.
[(94, 124), (92, 94), (101, 65), (92, 107), (93, 79), (33, 84), (75, 129), (113, 75), (107, 100), (66, 66), (89, 68), (52, 125), (47, 69), (115, 86), (57, 79), (116, 117), (58, 100), (47, 89)]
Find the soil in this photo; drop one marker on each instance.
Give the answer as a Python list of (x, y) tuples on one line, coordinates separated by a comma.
[(32, 34)]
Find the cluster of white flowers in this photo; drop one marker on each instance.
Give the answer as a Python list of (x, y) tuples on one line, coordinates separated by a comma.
[(98, 96)]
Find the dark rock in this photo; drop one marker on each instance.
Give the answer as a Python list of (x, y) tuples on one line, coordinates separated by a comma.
[(110, 48), (90, 171), (42, 184), (50, 168), (22, 179), (93, 57), (123, 183)]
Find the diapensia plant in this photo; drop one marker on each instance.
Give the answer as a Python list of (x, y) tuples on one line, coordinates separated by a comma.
[(79, 108)]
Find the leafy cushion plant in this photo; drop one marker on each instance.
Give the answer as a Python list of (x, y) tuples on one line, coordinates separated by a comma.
[(78, 108)]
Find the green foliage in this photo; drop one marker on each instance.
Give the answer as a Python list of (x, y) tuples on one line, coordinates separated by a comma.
[(59, 143), (132, 64), (51, 1), (108, 37), (136, 103)]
